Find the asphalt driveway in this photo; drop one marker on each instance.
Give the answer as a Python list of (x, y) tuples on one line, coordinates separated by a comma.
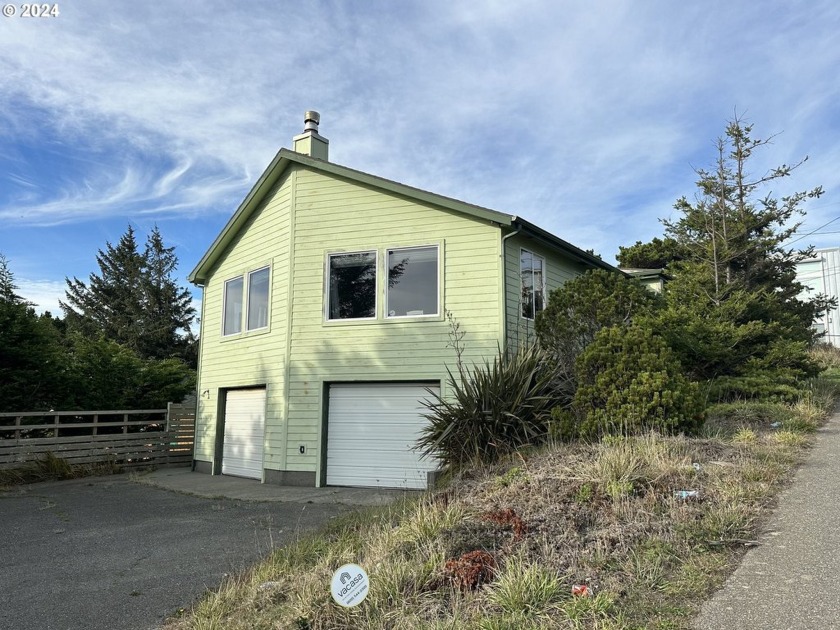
[(106, 553)]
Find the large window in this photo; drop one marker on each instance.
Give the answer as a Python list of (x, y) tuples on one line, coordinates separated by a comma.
[(532, 273), (412, 282), (233, 306), (258, 299), (352, 286), (254, 312)]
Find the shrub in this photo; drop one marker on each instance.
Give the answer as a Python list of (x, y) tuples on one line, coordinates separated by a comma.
[(492, 410), (580, 308), (770, 386), (630, 382)]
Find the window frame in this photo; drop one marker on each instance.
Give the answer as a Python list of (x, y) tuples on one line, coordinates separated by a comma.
[(327, 284), (240, 277), (245, 277), (386, 256), (533, 255), (246, 314)]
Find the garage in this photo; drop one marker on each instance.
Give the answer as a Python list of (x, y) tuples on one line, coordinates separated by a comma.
[(371, 429), (242, 452)]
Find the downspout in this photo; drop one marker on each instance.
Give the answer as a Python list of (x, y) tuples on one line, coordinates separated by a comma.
[(503, 256)]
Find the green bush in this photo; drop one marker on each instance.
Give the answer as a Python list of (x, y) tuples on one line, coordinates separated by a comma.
[(772, 386), (492, 410), (581, 307), (629, 381)]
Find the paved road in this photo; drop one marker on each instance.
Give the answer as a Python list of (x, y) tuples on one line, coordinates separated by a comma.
[(792, 581), (106, 553)]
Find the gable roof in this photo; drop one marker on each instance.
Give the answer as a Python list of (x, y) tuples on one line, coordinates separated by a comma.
[(285, 158)]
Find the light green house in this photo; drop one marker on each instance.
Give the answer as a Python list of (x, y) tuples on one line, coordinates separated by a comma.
[(324, 318)]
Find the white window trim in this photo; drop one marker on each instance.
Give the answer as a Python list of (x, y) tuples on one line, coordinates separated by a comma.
[(544, 274), (436, 314), (326, 292), (245, 276), (246, 289), (227, 335)]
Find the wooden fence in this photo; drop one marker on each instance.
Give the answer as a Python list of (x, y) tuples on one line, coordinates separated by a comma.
[(145, 437)]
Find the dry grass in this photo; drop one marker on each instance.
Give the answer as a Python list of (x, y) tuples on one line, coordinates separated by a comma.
[(609, 516)]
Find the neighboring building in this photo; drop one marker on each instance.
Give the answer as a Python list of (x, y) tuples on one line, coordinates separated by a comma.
[(653, 279), (820, 275), (325, 318)]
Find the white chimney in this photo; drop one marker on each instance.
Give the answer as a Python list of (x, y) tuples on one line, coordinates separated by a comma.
[(310, 142)]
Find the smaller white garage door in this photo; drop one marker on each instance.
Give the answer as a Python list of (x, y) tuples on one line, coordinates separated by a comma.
[(371, 432), (242, 452)]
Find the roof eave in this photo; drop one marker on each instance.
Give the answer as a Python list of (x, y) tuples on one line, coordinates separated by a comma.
[(268, 178), (279, 164), (572, 251)]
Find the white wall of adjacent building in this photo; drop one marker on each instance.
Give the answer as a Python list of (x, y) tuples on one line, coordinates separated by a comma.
[(821, 274)]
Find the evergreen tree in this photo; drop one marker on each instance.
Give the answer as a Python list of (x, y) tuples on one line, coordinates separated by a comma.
[(30, 354), (134, 300), (733, 239), (734, 309), (657, 254), (580, 308), (111, 304), (167, 309)]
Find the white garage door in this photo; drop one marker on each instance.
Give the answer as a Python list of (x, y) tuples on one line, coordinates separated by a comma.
[(242, 454), (370, 434)]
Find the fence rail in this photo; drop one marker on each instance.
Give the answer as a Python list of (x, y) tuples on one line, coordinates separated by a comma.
[(126, 438)]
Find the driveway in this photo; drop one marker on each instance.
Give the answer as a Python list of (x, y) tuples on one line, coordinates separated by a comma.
[(107, 553)]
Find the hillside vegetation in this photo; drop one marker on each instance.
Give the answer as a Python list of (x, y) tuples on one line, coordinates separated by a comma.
[(597, 535)]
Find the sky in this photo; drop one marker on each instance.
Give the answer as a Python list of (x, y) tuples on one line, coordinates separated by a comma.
[(586, 118)]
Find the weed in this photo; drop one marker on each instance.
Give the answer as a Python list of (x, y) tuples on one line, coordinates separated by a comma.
[(789, 438), (584, 493), (745, 436), (523, 587), (511, 476), (582, 611)]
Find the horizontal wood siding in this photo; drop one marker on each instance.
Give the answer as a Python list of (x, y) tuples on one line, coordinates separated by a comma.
[(255, 358), (334, 215), (558, 269)]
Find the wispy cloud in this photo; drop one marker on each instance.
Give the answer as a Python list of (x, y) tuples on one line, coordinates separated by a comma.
[(586, 118), (43, 294)]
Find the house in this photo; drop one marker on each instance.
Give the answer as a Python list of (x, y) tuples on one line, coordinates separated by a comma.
[(653, 279), (819, 275), (328, 301)]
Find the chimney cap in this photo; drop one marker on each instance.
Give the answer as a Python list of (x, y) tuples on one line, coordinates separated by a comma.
[(311, 119)]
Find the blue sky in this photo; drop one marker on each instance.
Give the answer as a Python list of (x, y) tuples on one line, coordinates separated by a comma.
[(586, 118)]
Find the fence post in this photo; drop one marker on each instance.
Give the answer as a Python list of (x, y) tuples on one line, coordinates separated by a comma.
[(55, 432), (17, 428)]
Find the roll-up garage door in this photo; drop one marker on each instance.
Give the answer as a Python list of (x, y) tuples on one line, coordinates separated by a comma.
[(371, 430), (242, 454)]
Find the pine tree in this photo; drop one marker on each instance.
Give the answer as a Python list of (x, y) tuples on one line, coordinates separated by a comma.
[(134, 300), (30, 354), (734, 306), (111, 304), (7, 283), (167, 310)]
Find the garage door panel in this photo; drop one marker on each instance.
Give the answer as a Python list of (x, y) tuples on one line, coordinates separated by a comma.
[(372, 429), (242, 452)]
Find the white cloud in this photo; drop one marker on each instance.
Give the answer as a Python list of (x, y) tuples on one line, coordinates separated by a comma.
[(584, 118), (43, 294)]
